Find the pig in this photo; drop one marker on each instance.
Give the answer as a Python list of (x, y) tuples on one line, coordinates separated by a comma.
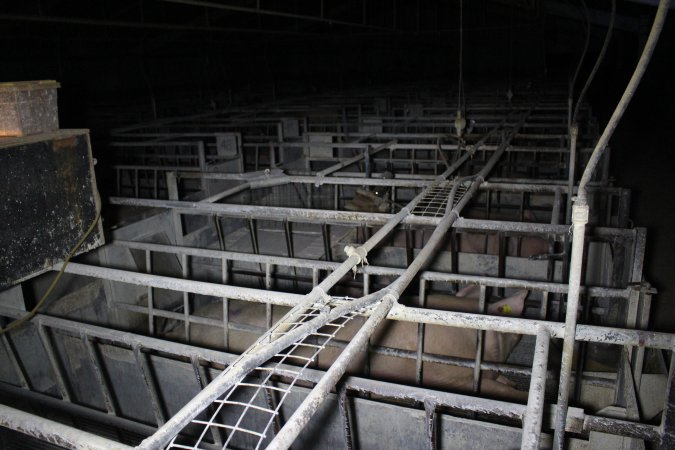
[(438, 340), (368, 201), (526, 246)]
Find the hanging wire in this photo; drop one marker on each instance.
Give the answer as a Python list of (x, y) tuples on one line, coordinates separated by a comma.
[(460, 87), (605, 44), (29, 315), (587, 18)]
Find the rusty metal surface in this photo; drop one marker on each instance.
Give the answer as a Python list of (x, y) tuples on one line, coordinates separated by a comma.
[(49, 194), (28, 107)]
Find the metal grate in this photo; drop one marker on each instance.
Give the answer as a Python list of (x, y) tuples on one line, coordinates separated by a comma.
[(249, 414), (435, 203)]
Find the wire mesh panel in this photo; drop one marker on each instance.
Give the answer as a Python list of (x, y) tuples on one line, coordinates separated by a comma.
[(435, 202), (249, 414)]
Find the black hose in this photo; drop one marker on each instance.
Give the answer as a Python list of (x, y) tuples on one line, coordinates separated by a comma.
[(605, 44), (587, 17)]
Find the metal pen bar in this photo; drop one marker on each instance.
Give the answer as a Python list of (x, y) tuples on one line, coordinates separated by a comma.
[(226, 305), (535, 399), (99, 372), (482, 301), (151, 299), (11, 354), (55, 432), (343, 405), (54, 363), (667, 428), (150, 384), (589, 333), (359, 385), (200, 375)]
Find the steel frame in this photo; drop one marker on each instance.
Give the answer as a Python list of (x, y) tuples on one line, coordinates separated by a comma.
[(404, 136)]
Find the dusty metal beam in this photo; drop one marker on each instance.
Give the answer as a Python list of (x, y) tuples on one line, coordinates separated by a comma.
[(54, 432)]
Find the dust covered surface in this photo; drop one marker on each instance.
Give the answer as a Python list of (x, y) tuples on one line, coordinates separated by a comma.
[(49, 199)]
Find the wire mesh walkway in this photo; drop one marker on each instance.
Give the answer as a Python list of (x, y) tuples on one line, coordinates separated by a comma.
[(435, 202), (249, 414)]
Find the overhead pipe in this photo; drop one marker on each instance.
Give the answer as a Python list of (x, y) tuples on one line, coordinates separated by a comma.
[(580, 213)]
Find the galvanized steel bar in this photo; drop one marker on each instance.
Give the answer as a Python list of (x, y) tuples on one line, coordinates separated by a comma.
[(387, 390), (593, 291), (588, 333), (54, 432), (535, 398)]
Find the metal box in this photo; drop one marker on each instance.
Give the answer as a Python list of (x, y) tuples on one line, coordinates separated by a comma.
[(28, 107), (49, 199)]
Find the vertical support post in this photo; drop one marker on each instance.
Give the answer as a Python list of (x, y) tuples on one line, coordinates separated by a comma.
[(101, 377), (268, 285), (226, 306), (272, 156), (150, 384), (501, 262), (186, 297), (54, 363), (325, 229), (11, 354), (543, 308), (419, 363), (557, 201), (479, 339), (200, 375), (432, 429), (579, 221), (535, 398), (151, 299), (668, 419), (288, 234), (172, 187), (201, 154), (574, 133), (345, 415)]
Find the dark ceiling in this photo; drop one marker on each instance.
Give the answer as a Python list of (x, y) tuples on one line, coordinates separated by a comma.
[(127, 51)]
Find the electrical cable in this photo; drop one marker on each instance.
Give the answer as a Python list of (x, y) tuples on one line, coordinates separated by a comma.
[(460, 87), (51, 287), (601, 56), (587, 17)]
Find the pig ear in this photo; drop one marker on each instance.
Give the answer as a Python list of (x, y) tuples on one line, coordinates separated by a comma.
[(510, 306), (470, 290)]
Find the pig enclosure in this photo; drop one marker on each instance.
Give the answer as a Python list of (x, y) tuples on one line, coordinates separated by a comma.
[(299, 272)]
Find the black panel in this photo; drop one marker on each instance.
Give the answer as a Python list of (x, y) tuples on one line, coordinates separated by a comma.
[(49, 200)]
